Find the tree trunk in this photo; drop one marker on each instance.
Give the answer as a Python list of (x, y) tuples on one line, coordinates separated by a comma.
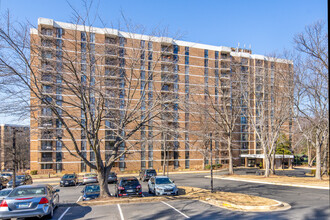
[(325, 167), (230, 167), (272, 171), (309, 152), (102, 176), (164, 161), (267, 165), (318, 160)]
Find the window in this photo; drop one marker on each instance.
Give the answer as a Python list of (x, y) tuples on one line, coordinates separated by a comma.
[(46, 145), (83, 36), (46, 166), (47, 31), (92, 37), (46, 55), (46, 89), (110, 40), (46, 43), (46, 112)]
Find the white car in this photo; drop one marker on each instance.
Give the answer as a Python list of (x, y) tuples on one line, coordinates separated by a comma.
[(162, 185)]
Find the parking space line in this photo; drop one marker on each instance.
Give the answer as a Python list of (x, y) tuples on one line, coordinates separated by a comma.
[(78, 185), (64, 213), (120, 212), (78, 199), (56, 186), (186, 216)]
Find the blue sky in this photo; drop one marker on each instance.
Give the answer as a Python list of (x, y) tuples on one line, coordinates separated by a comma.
[(267, 25)]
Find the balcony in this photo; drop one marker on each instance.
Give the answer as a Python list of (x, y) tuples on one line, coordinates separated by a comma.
[(166, 50), (46, 148), (111, 52), (45, 159), (111, 61)]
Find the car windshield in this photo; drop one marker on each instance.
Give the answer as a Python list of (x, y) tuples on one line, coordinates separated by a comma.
[(92, 189), (5, 174), (20, 178), (90, 175), (36, 191), (112, 174), (130, 182), (68, 176), (151, 171), (163, 181), (4, 192)]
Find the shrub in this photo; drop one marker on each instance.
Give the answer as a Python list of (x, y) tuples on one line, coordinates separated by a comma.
[(208, 167), (34, 172), (313, 172)]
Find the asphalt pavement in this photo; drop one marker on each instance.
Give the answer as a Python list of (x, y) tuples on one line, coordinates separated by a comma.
[(306, 203)]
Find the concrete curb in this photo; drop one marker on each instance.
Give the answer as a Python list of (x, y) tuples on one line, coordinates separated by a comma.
[(270, 183), (279, 206)]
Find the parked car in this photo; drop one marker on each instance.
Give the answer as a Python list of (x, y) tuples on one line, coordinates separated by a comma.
[(90, 178), (112, 178), (4, 193), (30, 201), (90, 191), (69, 180), (7, 175), (146, 174), (128, 186), (3, 182), (162, 185), (21, 180)]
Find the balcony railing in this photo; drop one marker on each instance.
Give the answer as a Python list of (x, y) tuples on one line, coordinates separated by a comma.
[(45, 159)]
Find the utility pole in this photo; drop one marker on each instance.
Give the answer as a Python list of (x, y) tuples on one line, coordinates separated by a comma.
[(14, 159), (211, 163)]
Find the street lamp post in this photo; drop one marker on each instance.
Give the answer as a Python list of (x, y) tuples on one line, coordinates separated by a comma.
[(14, 159), (211, 163)]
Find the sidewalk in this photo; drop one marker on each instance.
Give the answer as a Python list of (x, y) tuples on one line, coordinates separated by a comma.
[(272, 182)]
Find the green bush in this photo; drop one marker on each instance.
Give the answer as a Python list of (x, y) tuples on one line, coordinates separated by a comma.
[(208, 167), (34, 172), (313, 172)]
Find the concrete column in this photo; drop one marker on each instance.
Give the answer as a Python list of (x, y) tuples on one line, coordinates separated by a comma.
[(290, 163)]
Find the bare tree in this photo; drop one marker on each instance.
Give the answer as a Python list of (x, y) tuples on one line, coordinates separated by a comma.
[(111, 97), (269, 105), (311, 93)]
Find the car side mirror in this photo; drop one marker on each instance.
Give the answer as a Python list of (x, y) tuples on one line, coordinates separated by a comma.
[(173, 181), (82, 191)]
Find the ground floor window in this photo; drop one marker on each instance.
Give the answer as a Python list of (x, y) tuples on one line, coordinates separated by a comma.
[(46, 166)]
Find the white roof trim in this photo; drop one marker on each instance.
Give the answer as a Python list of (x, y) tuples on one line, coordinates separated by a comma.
[(116, 32)]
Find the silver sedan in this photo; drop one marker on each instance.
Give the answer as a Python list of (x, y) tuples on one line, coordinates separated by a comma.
[(90, 178), (30, 201)]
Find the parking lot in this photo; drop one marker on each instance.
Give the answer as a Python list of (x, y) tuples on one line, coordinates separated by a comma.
[(306, 203)]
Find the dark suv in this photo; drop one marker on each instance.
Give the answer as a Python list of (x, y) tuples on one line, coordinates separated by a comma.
[(128, 186), (69, 180), (146, 174)]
